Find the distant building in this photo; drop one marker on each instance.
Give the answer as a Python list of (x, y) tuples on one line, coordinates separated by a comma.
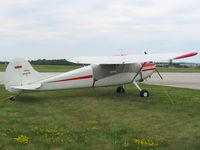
[(177, 65), (189, 65)]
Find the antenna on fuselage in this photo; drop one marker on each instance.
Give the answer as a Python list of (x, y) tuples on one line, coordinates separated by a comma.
[(121, 52), (5, 63)]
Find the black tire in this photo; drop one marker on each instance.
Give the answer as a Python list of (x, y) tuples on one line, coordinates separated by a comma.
[(144, 93), (12, 98), (120, 90)]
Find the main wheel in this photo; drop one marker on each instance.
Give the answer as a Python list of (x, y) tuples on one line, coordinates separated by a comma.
[(120, 90), (144, 93)]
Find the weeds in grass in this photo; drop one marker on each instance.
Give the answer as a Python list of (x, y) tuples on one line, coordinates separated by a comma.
[(92, 125), (92, 122), (55, 139), (46, 132), (22, 139), (51, 135), (124, 138), (11, 130), (146, 142), (125, 144)]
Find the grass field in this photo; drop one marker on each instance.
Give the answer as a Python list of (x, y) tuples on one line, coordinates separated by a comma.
[(99, 119), (2, 68), (48, 68)]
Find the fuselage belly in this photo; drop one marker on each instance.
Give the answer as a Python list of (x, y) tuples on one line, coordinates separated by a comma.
[(87, 77)]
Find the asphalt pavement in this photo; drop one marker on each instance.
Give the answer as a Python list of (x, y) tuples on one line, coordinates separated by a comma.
[(182, 80)]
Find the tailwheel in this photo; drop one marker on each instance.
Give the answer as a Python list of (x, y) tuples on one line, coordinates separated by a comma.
[(120, 90), (12, 98), (144, 93)]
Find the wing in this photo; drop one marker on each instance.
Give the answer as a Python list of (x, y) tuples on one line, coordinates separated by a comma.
[(129, 59), (27, 87)]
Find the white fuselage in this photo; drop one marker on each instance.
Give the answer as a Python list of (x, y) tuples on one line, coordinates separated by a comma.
[(97, 76)]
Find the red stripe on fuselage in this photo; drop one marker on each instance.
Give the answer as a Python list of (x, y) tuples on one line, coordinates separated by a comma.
[(149, 69), (18, 67), (71, 79), (150, 64)]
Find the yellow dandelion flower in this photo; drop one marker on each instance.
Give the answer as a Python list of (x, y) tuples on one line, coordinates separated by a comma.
[(22, 139)]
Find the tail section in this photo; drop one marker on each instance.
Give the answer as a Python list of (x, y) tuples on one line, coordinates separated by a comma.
[(19, 73)]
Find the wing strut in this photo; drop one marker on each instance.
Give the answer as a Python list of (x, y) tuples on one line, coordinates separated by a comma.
[(139, 72), (143, 93), (159, 74)]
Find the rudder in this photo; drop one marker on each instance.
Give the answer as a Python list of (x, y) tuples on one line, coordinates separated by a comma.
[(19, 72)]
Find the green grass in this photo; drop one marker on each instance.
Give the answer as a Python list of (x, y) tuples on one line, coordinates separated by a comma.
[(2, 68), (100, 119), (48, 68)]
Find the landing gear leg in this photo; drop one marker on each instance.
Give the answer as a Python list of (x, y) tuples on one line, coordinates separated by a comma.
[(143, 93), (13, 98), (120, 90)]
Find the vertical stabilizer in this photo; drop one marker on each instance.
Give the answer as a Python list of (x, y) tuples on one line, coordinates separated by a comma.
[(19, 72)]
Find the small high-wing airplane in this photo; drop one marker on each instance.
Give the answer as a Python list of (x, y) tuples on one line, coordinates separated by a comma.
[(101, 71)]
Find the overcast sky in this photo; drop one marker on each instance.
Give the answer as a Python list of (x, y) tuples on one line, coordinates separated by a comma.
[(54, 29)]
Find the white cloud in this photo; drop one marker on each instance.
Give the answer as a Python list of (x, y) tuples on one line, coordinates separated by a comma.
[(9, 3), (75, 22)]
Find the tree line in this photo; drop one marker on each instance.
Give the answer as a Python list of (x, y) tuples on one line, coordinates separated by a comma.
[(51, 62), (46, 62)]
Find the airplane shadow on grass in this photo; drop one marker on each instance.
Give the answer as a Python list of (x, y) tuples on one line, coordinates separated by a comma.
[(80, 94)]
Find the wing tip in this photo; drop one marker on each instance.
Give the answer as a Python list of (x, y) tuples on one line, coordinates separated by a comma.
[(190, 54)]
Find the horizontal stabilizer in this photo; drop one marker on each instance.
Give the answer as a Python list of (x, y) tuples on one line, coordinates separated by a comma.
[(27, 87)]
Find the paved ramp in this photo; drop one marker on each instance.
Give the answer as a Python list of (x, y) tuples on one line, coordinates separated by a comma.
[(183, 80)]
